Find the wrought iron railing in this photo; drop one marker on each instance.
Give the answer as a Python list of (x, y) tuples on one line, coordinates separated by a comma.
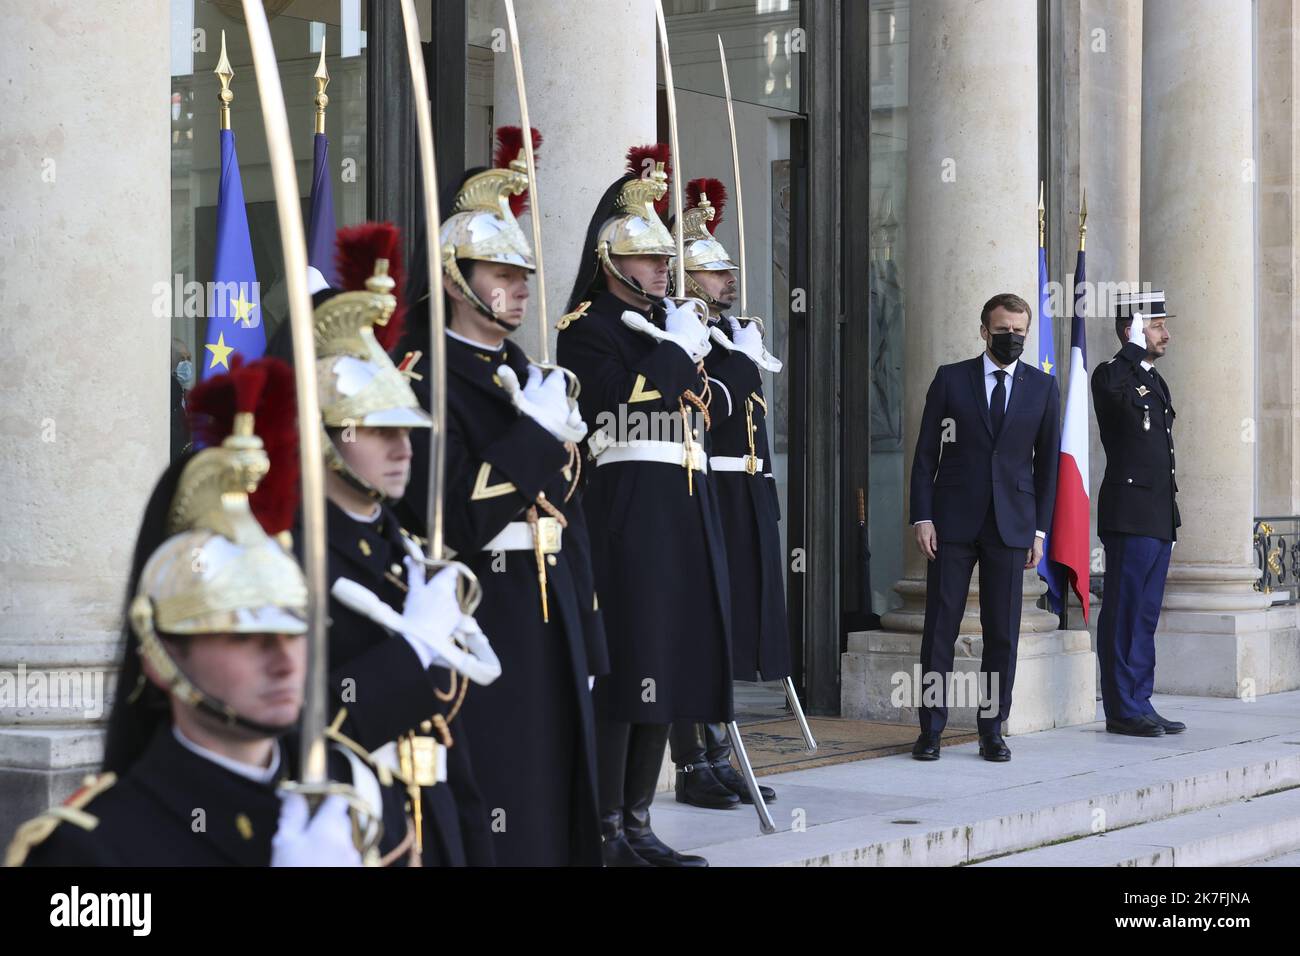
[(1277, 554)]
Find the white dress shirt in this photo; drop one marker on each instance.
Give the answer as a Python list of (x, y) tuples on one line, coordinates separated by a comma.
[(990, 383)]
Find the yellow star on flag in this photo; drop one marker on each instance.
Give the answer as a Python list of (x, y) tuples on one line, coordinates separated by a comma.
[(242, 309), (220, 352), (1047, 366)]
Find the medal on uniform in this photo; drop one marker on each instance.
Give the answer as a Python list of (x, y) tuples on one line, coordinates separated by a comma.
[(1146, 419)]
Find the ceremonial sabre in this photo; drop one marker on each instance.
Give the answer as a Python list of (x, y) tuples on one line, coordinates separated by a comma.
[(470, 592), (760, 806), (739, 200), (535, 210), (791, 697), (293, 245)]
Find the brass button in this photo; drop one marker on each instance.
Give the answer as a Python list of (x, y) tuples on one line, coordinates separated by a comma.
[(541, 496), (364, 545), (426, 726), (244, 826), (395, 568), (550, 559), (1130, 481)]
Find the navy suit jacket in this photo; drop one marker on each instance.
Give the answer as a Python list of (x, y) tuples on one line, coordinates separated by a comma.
[(959, 467)]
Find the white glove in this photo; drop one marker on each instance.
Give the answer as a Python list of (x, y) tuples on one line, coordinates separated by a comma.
[(321, 840), (747, 338), (545, 401), (682, 327), (471, 635), (1135, 333), (479, 665), (430, 614)]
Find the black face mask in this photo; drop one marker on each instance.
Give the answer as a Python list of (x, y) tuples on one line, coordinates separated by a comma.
[(1006, 346)]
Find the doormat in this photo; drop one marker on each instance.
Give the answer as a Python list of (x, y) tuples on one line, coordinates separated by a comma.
[(777, 746)]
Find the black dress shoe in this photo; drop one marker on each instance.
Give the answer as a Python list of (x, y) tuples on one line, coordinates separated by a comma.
[(658, 853), (994, 748), (1139, 726), (699, 787), (926, 747), (735, 783), (1170, 726)]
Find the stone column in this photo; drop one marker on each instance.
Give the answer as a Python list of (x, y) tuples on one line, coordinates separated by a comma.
[(972, 181), (1198, 245), (83, 375), (590, 72)]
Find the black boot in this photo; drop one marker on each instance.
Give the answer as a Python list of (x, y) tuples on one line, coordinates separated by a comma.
[(718, 750), (645, 756), (611, 764), (696, 784)]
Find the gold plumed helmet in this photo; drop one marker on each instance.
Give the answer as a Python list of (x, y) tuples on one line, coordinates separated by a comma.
[(636, 228), (705, 201), (358, 384), (483, 224), (219, 571)]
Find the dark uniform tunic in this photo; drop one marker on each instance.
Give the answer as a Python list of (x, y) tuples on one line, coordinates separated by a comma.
[(533, 726), (386, 692), (1137, 493), (751, 511), (1137, 520), (657, 548), (148, 817)]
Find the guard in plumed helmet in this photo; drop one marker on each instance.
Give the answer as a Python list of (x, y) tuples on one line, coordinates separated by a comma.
[(511, 515), (214, 671), (651, 503), (740, 465), (395, 663)]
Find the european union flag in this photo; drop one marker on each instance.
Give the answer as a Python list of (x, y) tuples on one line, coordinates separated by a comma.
[(1047, 363), (234, 305), (320, 235)]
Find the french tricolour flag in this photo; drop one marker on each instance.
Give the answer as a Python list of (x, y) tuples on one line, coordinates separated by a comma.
[(1069, 544)]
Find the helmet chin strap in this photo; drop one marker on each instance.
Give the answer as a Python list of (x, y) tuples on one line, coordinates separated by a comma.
[(458, 278), (698, 291), (335, 461), (179, 686), (602, 254)]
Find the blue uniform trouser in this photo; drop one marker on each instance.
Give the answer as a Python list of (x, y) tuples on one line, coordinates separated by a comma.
[(1126, 631)]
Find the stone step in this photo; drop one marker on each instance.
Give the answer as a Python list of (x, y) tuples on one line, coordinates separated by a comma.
[(1232, 834), (1060, 785)]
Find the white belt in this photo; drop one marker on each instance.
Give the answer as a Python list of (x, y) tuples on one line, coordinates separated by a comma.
[(743, 463), (518, 536), (665, 452)]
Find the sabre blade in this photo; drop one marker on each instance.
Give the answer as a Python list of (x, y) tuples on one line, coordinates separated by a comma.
[(293, 246), (670, 92), (437, 324), (534, 210), (739, 201)]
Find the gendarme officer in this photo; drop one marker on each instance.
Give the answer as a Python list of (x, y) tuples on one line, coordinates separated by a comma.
[(1137, 514)]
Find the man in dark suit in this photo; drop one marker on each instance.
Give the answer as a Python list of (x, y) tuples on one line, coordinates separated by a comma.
[(1137, 515), (983, 488)]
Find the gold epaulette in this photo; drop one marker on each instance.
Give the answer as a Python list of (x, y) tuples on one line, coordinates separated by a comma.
[(38, 829)]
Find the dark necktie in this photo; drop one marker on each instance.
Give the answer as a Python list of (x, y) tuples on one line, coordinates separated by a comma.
[(998, 402)]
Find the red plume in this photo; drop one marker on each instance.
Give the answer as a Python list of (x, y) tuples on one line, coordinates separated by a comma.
[(641, 162), (356, 249), (717, 194), (264, 387), (510, 143)]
